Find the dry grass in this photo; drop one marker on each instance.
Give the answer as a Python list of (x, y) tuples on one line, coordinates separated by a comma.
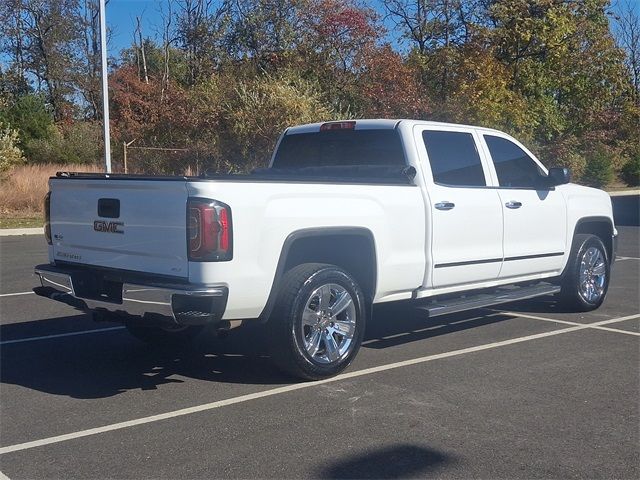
[(24, 187)]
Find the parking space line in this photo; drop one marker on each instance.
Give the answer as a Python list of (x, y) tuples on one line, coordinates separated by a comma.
[(15, 294), (60, 335), (627, 258), (3, 476), (588, 325), (290, 388)]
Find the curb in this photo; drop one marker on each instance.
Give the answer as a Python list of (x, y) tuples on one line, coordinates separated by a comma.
[(6, 232), (623, 193)]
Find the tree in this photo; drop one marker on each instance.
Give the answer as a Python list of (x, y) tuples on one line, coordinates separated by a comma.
[(49, 35), (628, 38), (201, 29), (390, 87), (89, 63), (433, 29), (263, 31), (339, 40)]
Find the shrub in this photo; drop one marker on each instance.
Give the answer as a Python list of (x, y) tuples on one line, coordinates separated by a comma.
[(259, 111), (598, 171), (631, 171), (80, 142), (10, 153), (30, 117)]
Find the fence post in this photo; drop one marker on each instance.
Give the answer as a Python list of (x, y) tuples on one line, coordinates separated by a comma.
[(124, 155)]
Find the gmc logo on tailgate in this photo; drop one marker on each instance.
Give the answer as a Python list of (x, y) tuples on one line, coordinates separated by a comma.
[(108, 227)]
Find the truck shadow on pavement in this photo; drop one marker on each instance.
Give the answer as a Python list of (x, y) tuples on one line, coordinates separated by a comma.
[(395, 461), (108, 363)]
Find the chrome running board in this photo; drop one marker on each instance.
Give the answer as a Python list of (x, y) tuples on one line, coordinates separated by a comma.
[(487, 299)]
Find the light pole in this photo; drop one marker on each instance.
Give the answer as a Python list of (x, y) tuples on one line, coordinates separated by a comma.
[(105, 88)]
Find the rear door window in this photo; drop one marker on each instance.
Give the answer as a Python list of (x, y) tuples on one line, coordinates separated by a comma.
[(454, 158)]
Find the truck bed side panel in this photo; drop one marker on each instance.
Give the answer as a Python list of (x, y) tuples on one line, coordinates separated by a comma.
[(265, 214)]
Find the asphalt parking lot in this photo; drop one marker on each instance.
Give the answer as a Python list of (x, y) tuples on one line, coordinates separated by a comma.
[(525, 391)]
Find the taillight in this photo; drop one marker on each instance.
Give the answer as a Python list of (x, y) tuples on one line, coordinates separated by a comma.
[(209, 231), (47, 218)]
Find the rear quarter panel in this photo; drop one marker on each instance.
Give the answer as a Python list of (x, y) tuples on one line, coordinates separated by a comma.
[(265, 214)]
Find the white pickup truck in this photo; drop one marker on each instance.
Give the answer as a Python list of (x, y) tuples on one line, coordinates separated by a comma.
[(348, 214)]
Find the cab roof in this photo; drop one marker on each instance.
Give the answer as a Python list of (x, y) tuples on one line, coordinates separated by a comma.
[(377, 124)]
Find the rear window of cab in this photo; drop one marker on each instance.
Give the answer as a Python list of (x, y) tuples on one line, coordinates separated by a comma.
[(348, 147)]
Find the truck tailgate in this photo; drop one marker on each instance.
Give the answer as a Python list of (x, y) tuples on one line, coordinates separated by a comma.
[(137, 225)]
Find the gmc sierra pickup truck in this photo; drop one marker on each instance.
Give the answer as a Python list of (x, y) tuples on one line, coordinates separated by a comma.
[(348, 214)]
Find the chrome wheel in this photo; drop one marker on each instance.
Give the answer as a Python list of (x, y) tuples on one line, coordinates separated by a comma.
[(592, 275), (329, 324)]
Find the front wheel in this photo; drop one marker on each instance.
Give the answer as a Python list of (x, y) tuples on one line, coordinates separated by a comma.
[(587, 277), (318, 322)]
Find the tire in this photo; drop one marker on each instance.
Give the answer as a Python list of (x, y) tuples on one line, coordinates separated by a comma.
[(586, 279), (163, 336), (318, 322)]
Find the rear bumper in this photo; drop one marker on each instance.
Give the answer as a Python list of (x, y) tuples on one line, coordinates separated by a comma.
[(182, 304)]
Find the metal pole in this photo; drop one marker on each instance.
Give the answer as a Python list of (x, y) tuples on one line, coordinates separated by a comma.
[(105, 88), (124, 155), (125, 146)]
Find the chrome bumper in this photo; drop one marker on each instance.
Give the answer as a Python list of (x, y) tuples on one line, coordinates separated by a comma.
[(182, 305)]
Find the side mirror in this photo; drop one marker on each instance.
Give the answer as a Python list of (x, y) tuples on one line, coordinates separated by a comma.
[(559, 176)]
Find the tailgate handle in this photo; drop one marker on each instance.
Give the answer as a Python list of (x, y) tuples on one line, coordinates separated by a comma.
[(109, 208)]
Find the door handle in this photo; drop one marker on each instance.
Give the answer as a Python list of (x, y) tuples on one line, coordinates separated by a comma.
[(445, 205), (513, 204)]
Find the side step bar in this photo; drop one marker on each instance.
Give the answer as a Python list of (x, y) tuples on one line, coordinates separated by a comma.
[(480, 300)]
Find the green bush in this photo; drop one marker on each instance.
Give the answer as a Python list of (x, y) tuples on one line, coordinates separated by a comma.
[(29, 115), (598, 171), (10, 153), (631, 171), (78, 143), (260, 110)]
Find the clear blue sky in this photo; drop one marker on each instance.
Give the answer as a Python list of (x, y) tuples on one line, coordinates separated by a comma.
[(121, 17)]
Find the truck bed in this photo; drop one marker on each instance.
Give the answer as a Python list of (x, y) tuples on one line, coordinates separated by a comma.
[(361, 174)]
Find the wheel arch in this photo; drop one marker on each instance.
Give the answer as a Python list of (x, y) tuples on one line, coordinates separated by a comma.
[(602, 227), (351, 248)]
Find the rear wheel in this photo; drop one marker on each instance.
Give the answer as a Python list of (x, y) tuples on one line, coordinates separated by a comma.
[(163, 335), (587, 277), (318, 322)]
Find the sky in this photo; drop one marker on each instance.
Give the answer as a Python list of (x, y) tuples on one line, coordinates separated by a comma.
[(121, 19)]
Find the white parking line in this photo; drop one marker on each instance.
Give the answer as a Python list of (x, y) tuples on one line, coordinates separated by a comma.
[(15, 294), (60, 335), (3, 476), (289, 388), (588, 325), (626, 258)]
